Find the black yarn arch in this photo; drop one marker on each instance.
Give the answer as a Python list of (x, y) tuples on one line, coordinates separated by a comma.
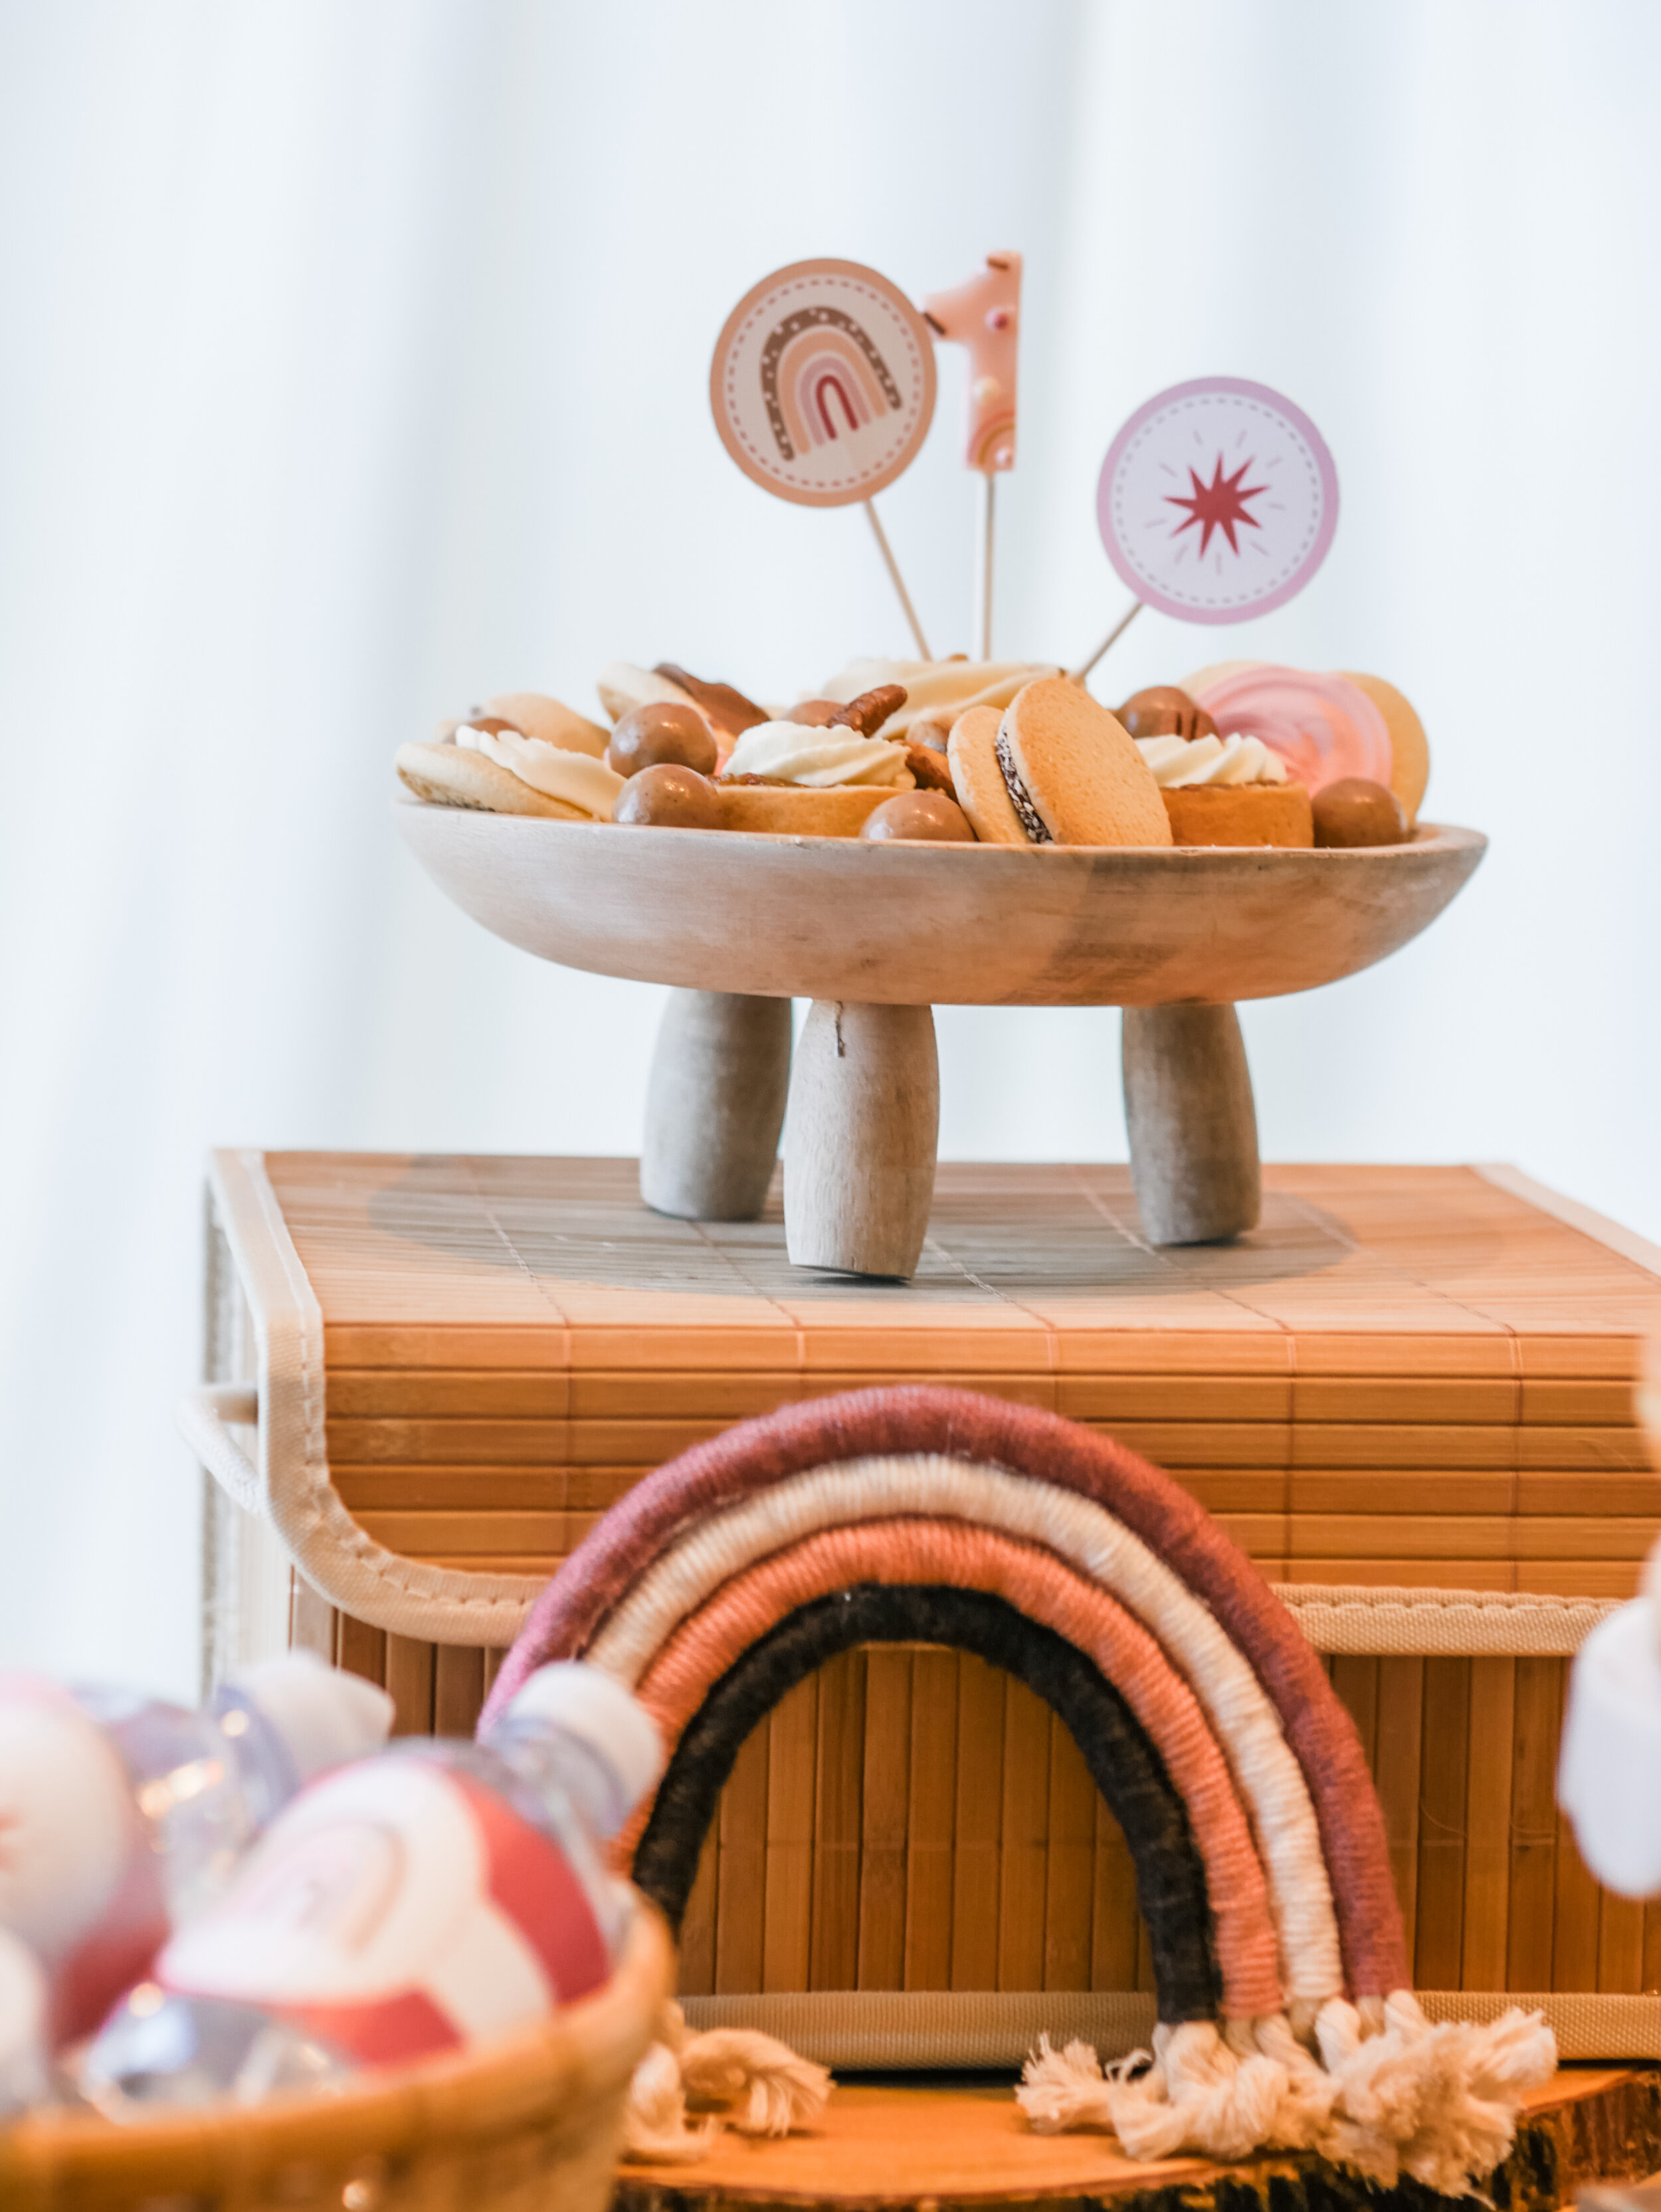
[(1123, 1765)]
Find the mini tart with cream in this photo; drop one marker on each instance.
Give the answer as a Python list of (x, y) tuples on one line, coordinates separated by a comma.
[(1227, 791), (791, 779), (501, 771)]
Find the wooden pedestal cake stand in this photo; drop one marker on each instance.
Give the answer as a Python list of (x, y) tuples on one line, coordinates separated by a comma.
[(876, 935)]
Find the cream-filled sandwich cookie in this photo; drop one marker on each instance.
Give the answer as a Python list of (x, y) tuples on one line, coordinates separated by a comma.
[(1073, 774), (501, 772), (937, 691), (791, 778), (978, 781), (1227, 791), (534, 714)]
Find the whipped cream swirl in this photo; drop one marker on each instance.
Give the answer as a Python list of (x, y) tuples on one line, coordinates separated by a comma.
[(576, 779), (1177, 762), (936, 690), (790, 753)]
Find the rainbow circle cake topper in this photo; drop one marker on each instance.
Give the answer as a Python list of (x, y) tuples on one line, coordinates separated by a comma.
[(1217, 500), (824, 383)]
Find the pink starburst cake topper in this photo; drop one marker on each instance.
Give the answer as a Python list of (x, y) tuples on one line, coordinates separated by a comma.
[(1217, 500)]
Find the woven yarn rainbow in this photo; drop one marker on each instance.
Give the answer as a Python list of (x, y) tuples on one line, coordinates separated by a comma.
[(1207, 1723)]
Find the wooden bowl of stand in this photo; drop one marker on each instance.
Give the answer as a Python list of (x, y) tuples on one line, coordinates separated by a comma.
[(533, 2121), (836, 918)]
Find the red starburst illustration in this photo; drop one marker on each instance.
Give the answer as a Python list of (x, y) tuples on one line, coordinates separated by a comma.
[(1218, 505)]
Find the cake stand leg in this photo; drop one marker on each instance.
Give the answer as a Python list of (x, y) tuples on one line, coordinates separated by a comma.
[(715, 1104), (1193, 1126), (864, 1116)]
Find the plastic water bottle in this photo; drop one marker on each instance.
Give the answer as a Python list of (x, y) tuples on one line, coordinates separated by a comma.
[(122, 1816), (429, 1898)]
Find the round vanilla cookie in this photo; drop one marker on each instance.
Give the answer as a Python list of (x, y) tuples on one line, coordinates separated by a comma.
[(1081, 769), (448, 775), (534, 714), (623, 687), (978, 780), (1409, 751)]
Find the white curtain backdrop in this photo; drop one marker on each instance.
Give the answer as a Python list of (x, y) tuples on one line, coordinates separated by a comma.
[(353, 365)]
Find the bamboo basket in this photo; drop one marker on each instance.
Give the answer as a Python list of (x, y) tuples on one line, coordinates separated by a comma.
[(1407, 1396), (527, 2124)]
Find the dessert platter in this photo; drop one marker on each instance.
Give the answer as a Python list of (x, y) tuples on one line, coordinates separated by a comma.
[(951, 833), (959, 830)]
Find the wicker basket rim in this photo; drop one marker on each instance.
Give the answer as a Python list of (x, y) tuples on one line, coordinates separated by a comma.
[(582, 2053)]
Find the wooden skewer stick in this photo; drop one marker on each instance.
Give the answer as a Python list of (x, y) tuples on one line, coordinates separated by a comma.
[(1118, 631), (983, 581), (886, 550), (984, 317)]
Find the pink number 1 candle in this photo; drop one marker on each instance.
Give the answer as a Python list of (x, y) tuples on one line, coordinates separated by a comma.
[(984, 316)]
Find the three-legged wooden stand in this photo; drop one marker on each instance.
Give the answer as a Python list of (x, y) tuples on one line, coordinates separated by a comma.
[(766, 920), (864, 1118)]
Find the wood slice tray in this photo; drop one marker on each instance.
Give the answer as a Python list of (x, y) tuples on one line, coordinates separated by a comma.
[(914, 925), (876, 2149)]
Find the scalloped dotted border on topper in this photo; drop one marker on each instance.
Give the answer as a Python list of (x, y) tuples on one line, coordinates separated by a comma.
[(1294, 572), (767, 299)]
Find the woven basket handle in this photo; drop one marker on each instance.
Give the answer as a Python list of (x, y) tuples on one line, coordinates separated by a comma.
[(201, 1417)]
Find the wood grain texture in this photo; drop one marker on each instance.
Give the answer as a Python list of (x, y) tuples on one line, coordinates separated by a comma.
[(1404, 1375), (1396, 1766), (931, 1820), (792, 1771), (977, 1830), (1191, 1122), (741, 1825), (982, 1857), (715, 1105), (1443, 1775), (1069, 1871), (1401, 1374), (864, 1114), (880, 2150), (885, 1806), (980, 925), (1490, 1756), (1024, 1840), (837, 1829), (1532, 1887)]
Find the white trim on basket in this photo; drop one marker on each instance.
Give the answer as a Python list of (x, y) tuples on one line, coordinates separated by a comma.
[(915, 2029), (341, 1561), (292, 1488)]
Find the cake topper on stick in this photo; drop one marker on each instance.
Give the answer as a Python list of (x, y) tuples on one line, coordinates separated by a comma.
[(984, 316), (1217, 500), (822, 387)]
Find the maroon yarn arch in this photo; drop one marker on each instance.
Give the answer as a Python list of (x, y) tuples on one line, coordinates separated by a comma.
[(915, 1420)]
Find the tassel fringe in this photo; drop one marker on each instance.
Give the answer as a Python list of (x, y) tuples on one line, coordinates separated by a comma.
[(1388, 2093), (751, 2083)]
